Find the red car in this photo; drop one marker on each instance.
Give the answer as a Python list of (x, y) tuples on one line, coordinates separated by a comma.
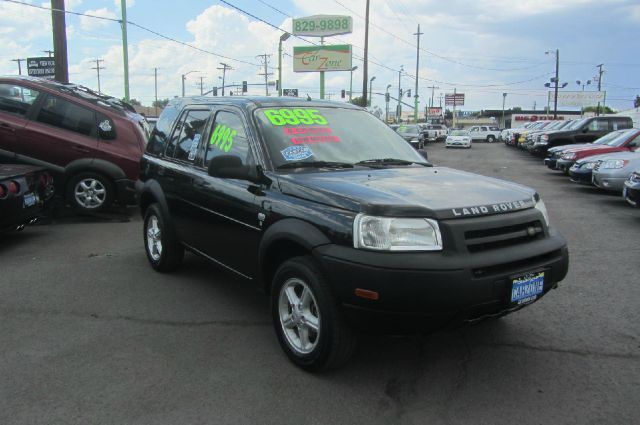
[(625, 141), (92, 143)]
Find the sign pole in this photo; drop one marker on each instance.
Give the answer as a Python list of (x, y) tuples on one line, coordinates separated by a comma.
[(454, 108), (321, 75)]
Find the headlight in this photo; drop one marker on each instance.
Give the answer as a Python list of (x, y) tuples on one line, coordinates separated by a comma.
[(467, 139), (540, 206), (414, 140), (570, 155), (614, 164), (588, 165), (396, 234), (544, 138)]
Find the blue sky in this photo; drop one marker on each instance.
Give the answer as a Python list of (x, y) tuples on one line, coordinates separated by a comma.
[(483, 48)]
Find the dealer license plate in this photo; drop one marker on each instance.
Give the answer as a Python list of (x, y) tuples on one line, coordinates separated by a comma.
[(30, 199), (526, 288)]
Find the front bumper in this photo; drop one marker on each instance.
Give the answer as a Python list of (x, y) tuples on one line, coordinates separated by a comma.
[(564, 165), (551, 162), (604, 181), (426, 291), (631, 193), (581, 176)]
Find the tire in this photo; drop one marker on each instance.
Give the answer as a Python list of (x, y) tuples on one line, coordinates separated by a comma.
[(491, 139), (163, 251), (307, 318), (90, 192)]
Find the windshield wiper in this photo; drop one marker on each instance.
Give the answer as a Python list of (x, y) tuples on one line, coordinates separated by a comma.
[(390, 161), (314, 164)]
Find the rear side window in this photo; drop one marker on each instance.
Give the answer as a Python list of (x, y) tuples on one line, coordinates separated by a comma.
[(160, 133), (599, 125), (16, 99), (228, 137), (618, 124), (187, 135), (61, 113)]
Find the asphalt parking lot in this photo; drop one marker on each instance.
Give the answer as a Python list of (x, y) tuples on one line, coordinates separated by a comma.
[(90, 334)]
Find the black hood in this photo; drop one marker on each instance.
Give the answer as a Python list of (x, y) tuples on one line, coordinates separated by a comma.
[(415, 191)]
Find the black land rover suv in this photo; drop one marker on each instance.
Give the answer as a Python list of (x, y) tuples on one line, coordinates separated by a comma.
[(337, 218)]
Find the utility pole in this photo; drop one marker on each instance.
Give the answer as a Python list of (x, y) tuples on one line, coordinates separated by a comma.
[(365, 67), (224, 73), (386, 100), (415, 94), (441, 96), (60, 40), (155, 86), (433, 89), (98, 68), (351, 82), (49, 52), (555, 95), (399, 109), (265, 60), (201, 85), (125, 48), (600, 72), (504, 98), (19, 64)]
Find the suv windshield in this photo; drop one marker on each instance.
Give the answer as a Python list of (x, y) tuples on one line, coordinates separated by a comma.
[(459, 133), (331, 135), (408, 129)]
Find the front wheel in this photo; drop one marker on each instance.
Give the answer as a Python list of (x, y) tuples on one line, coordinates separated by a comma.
[(307, 319), (163, 251), (491, 139), (90, 192)]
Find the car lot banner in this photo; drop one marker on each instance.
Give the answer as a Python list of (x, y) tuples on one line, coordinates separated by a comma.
[(322, 58), (434, 111), (578, 98), (43, 67), (452, 99)]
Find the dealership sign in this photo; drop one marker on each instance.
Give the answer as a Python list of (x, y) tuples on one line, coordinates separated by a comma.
[(43, 67), (322, 58), (454, 99), (290, 92), (578, 98), (322, 25), (434, 111)]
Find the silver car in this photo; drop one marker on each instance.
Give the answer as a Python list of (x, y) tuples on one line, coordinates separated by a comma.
[(612, 171)]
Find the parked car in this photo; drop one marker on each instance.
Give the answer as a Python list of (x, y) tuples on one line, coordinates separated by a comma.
[(627, 140), (485, 133), (631, 190), (510, 136), (340, 221), (537, 126), (611, 172), (534, 136), (586, 130), (435, 132), (458, 138), (413, 134), (554, 154), (24, 189), (581, 171), (91, 143)]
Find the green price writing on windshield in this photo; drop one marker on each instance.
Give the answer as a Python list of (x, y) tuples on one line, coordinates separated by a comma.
[(223, 137), (294, 116)]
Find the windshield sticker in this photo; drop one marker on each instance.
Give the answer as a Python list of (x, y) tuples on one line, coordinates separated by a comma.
[(105, 126), (314, 139), (223, 137), (296, 153), (306, 130), (194, 147), (286, 116)]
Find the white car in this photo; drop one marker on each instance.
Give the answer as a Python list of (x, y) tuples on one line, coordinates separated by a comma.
[(458, 138), (485, 133)]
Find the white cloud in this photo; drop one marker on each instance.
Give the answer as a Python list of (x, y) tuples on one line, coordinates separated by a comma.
[(89, 23)]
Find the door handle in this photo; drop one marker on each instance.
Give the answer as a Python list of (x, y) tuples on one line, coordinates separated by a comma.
[(80, 149), (7, 127)]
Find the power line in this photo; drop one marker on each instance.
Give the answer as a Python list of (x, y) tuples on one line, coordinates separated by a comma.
[(98, 68)]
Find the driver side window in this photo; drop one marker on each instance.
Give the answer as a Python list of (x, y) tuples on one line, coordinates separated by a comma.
[(228, 137)]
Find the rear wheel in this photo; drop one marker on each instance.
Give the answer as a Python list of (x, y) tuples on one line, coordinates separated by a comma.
[(307, 318), (164, 252), (491, 139)]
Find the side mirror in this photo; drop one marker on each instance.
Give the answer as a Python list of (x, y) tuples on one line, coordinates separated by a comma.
[(231, 167)]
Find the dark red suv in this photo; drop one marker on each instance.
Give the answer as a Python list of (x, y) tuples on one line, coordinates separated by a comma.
[(91, 142)]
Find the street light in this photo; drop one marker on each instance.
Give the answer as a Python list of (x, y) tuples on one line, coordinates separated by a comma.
[(351, 82), (583, 84), (283, 37), (555, 80), (183, 78), (386, 99), (370, 83)]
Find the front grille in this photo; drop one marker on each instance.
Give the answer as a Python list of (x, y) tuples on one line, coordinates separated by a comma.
[(500, 237)]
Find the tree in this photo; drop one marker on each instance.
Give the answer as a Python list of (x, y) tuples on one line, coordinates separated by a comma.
[(603, 109), (448, 115), (160, 103), (516, 109), (133, 102), (358, 101)]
